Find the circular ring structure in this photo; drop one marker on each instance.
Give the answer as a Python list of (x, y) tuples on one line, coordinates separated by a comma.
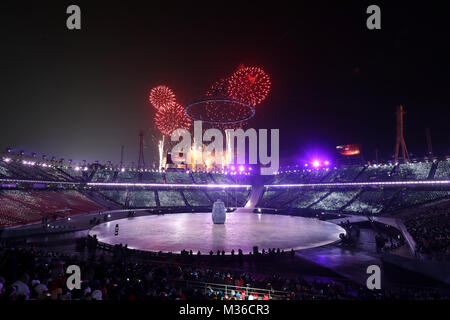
[(218, 100)]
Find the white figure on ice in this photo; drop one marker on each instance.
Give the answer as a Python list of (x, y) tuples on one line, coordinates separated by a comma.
[(218, 213)]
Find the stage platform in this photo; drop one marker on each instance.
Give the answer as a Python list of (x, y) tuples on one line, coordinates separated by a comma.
[(196, 232)]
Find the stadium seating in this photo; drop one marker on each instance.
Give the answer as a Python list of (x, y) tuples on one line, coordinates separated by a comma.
[(152, 177), (371, 201), (28, 171), (118, 196), (142, 199), (19, 206), (19, 170), (413, 171), (223, 195), (7, 222), (430, 230), (171, 198), (202, 178), (242, 179), (317, 176), (267, 199), (309, 197), (354, 199), (30, 206), (182, 281), (222, 179), (347, 174), (408, 198), (33, 200), (103, 175), (128, 176), (442, 170), (5, 171), (278, 197), (240, 195), (377, 173), (335, 200), (178, 177), (75, 173), (196, 198), (75, 200), (323, 175), (17, 212), (291, 177)]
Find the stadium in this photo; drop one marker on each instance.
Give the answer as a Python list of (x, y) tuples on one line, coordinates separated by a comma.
[(388, 214), (265, 160)]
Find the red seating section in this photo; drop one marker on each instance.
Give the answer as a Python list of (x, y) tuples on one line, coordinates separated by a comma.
[(19, 207)]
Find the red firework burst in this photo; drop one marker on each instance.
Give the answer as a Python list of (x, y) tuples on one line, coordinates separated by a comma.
[(162, 97), (249, 84), (167, 120), (223, 111)]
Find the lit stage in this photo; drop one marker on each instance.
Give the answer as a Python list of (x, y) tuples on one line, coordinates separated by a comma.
[(196, 231)]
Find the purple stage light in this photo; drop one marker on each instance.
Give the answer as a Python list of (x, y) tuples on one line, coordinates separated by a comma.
[(316, 163)]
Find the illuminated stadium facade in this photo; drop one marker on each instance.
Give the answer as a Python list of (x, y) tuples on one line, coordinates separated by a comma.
[(344, 189)]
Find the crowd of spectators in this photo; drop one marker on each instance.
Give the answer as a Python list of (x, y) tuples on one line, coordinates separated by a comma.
[(27, 273), (430, 229)]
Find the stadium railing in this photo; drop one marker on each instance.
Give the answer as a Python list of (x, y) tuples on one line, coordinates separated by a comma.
[(227, 289)]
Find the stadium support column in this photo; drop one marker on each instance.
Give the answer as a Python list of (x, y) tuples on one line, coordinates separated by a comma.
[(400, 140)]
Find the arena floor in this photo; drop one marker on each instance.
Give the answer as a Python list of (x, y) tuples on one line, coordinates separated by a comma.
[(196, 232)]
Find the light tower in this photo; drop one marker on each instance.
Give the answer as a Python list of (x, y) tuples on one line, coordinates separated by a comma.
[(400, 138), (141, 161)]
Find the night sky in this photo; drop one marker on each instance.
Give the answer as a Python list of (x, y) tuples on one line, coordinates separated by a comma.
[(82, 94)]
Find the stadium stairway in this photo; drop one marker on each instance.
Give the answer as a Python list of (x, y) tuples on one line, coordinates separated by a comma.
[(360, 173), (432, 171), (351, 200), (320, 199), (158, 203), (101, 200), (191, 177), (186, 202)]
